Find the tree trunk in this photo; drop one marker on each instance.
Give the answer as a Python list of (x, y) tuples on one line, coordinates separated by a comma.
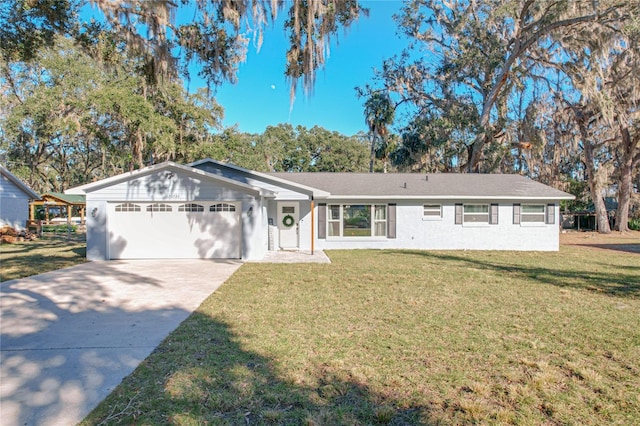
[(602, 218), (625, 169), (373, 152), (137, 146), (473, 165), (104, 161), (475, 152)]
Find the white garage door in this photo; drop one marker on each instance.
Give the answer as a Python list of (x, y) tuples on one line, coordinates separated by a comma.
[(204, 230)]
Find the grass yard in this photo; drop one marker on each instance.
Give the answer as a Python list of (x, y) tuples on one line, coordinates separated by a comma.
[(403, 338), (50, 252)]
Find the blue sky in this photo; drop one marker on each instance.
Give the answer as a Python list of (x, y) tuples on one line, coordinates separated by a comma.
[(260, 98)]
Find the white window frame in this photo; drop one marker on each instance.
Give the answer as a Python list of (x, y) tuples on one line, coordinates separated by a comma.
[(487, 214), (432, 212), (375, 221), (331, 220), (381, 223), (541, 215)]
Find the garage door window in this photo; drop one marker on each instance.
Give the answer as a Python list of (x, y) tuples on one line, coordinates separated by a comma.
[(190, 208), (222, 207), (127, 207), (159, 207)]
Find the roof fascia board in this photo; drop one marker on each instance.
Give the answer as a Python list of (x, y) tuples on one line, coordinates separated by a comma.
[(315, 192), (103, 183), (444, 197), (19, 183), (94, 186)]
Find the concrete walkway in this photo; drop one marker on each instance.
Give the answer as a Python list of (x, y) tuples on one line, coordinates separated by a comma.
[(298, 256), (69, 337)]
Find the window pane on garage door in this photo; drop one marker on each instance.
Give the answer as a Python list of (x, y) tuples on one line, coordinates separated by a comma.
[(191, 208), (159, 207), (222, 207), (127, 207)]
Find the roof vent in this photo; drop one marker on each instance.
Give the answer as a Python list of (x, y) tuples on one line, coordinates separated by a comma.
[(405, 185), (426, 178)]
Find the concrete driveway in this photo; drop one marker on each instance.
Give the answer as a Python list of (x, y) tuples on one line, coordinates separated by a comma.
[(69, 337)]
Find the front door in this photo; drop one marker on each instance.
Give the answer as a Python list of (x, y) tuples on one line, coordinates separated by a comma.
[(288, 216)]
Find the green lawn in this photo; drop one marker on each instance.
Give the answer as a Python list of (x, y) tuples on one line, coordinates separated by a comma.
[(50, 252), (403, 338)]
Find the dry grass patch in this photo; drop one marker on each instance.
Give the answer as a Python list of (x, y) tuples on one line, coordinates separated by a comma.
[(403, 338), (48, 253), (620, 241)]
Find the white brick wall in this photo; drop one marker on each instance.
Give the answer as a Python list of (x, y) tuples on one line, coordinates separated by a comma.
[(415, 232)]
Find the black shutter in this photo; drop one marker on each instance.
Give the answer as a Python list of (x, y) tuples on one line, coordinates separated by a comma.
[(458, 214), (391, 221), (322, 220), (516, 214), (493, 212)]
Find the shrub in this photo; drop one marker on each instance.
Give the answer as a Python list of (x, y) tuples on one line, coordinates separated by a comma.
[(59, 228), (634, 224)]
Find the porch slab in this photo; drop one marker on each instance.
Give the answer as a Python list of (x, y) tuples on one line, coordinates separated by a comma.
[(294, 256)]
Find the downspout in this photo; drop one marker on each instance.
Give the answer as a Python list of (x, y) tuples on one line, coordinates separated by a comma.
[(312, 224)]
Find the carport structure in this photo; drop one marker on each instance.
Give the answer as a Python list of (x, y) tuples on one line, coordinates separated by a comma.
[(64, 203)]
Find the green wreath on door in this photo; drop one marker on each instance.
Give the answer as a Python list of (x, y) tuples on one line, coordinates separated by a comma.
[(288, 221)]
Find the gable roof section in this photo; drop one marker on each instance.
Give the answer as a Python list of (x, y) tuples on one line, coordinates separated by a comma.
[(65, 198), (426, 186), (169, 166), (271, 178), (19, 183)]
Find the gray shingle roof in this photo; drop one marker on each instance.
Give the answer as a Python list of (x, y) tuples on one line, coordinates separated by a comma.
[(416, 185), (67, 198)]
